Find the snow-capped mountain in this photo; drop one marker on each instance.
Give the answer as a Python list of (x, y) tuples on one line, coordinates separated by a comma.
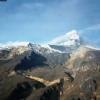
[(67, 42), (61, 44), (71, 38)]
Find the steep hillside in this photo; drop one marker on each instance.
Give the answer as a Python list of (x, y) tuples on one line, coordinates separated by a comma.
[(84, 59)]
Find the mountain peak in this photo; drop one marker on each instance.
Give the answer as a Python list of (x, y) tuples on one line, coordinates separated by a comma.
[(71, 38), (73, 35)]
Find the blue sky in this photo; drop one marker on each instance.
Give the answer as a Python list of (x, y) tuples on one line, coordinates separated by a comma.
[(43, 20)]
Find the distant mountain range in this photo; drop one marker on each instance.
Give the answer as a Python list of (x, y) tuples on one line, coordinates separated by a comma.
[(60, 44)]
